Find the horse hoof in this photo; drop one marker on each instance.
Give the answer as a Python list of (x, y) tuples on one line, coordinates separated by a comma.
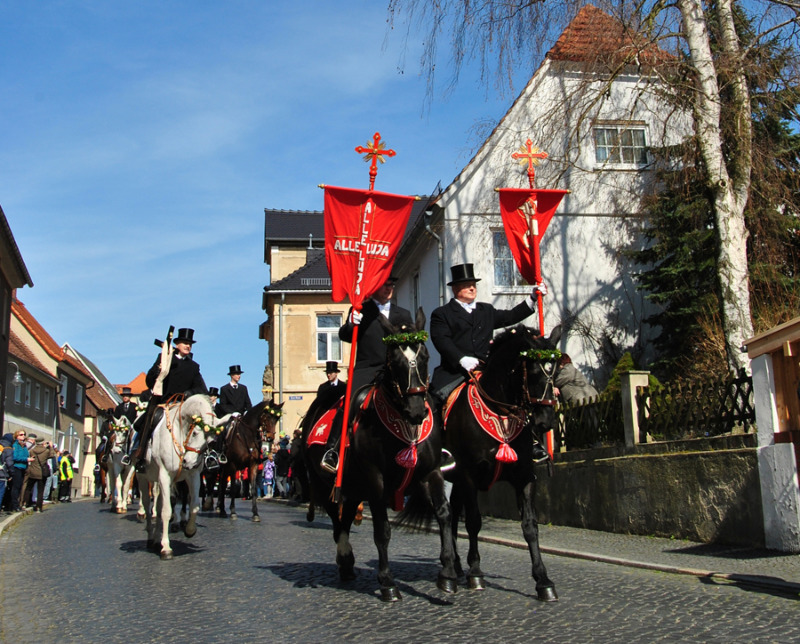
[(346, 575), (475, 582), (547, 594), (447, 585), (120, 511), (166, 555), (234, 516), (390, 594), (140, 518), (189, 533), (256, 518)]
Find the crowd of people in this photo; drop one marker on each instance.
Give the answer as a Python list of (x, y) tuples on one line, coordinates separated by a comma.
[(33, 472)]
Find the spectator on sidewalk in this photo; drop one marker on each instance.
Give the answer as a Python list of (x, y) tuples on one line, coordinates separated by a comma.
[(38, 470), (65, 477), (17, 463), (282, 463), (5, 451), (269, 476)]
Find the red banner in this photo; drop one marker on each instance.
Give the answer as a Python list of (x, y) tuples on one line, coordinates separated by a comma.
[(363, 231), (518, 229)]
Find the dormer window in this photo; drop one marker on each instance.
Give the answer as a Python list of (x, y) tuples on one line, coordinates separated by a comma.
[(620, 144)]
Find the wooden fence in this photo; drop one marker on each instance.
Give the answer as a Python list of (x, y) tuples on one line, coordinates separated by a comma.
[(673, 412)]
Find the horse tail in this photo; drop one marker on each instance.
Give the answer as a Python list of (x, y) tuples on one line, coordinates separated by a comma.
[(418, 514)]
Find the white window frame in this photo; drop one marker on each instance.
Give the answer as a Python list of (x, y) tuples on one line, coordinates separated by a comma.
[(330, 336), (27, 392), (620, 152), (503, 264), (37, 396), (79, 400), (47, 401), (18, 394)]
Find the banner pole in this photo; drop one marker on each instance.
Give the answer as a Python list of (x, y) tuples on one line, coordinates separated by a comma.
[(337, 490)]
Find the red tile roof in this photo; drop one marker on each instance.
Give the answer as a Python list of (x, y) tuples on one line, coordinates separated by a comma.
[(44, 339), (137, 385), (100, 399), (36, 330), (593, 36), (18, 350)]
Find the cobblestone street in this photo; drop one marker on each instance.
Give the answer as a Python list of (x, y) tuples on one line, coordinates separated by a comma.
[(79, 573)]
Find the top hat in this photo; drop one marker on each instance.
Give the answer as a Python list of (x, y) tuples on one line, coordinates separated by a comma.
[(462, 273), (213, 391), (184, 335), (234, 370), (126, 391), (331, 366)]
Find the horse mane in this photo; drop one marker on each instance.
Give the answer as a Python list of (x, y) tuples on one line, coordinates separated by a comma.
[(512, 341)]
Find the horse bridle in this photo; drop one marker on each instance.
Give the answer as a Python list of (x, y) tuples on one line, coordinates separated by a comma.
[(413, 370), (521, 411)]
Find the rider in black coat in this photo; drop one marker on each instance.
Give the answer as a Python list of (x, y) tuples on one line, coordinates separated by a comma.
[(183, 378), (462, 331)]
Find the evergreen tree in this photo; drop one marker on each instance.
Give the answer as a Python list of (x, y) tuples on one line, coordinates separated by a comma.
[(683, 247)]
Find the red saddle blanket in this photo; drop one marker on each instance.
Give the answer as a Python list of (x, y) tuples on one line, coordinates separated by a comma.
[(322, 428), (503, 429)]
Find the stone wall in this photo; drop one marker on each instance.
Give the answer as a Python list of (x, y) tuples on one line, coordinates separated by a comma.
[(704, 490)]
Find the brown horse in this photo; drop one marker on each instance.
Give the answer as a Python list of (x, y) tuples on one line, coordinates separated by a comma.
[(243, 451)]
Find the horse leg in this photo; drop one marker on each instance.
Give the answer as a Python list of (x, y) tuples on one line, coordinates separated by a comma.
[(193, 501), (382, 533), (345, 561), (456, 506), (232, 507), (146, 506), (165, 510), (545, 589), (223, 484), (473, 522), (447, 554), (254, 493)]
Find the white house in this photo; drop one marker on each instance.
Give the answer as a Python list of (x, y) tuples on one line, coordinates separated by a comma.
[(596, 128)]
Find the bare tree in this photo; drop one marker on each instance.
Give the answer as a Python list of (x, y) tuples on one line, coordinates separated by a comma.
[(504, 34)]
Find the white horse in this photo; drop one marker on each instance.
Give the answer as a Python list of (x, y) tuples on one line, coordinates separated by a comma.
[(176, 454), (119, 475)]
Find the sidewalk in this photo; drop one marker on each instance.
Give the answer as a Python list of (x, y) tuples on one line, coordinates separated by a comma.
[(724, 564)]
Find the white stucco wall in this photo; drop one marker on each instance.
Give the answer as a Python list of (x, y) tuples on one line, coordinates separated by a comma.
[(590, 283)]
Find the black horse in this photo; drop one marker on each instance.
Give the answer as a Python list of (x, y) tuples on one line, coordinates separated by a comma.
[(243, 451), (395, 448), (514, 399)]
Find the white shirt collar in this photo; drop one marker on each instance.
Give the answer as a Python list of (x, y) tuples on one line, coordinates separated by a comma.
[(383, 308), (468, 307)]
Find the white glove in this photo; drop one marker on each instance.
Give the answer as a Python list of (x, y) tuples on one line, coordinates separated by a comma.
[(235, 414), (539, 288), (468, 363), (355, 317)]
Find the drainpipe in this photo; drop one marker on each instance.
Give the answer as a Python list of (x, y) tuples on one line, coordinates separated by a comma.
[(280, 352), (428, 217)]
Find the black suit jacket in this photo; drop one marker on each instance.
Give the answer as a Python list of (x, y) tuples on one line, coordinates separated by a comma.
[(371, 351), (456, 333), (130, 412), (183, 377), (232, 400)]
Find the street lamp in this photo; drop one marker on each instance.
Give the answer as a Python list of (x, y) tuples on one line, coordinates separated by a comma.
[(17, 380)]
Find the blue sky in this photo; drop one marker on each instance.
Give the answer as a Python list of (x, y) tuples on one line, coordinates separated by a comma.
[(141, 141)]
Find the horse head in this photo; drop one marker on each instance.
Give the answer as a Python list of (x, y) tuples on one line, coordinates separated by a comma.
[(520, 370), (197, 422), (120, 427), (405, 377), (268, 417)]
